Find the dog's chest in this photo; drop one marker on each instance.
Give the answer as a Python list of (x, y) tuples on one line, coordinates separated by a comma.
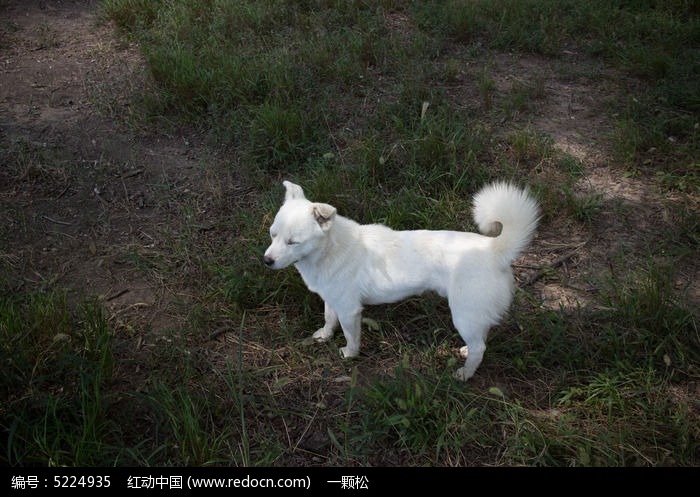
[(315, 280), (330, 285)]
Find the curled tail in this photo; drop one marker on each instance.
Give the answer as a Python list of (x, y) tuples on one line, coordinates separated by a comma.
[(512, 209)]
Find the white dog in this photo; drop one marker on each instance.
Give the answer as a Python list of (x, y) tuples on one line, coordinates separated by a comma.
[(351, 265)]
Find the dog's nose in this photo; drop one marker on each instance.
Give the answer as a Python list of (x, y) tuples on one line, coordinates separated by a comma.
[(269, 261)]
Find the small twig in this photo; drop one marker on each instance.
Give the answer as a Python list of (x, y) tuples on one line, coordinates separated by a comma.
[(130, 307), (56, 221), (133, 173), (117, 295), (98, 194), (126, 194), (556, 263), (60, 234), (218, 331), (63, 192)]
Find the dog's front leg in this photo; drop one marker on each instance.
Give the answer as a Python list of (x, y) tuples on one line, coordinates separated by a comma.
[(351, 325), (326, 333)]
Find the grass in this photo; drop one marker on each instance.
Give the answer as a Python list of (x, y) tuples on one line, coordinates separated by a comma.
[(56, 370), (391, 110)]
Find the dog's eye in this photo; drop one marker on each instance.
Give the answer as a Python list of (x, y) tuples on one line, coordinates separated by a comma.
[(292, 242)]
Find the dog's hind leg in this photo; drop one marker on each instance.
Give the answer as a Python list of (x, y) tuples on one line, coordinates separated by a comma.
[(473, 331), (351, 325), (326, 333), (474, 353)]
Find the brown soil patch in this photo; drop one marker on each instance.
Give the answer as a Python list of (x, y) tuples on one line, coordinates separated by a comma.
[(634, 213), (93, 191)]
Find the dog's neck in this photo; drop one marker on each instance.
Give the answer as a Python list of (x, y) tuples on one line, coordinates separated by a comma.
[(333, 256)]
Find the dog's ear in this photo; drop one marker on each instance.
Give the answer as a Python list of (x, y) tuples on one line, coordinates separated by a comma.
[(324, 214), (293, 191)]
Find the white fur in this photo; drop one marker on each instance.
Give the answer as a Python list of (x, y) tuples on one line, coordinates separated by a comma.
[(351, 265)]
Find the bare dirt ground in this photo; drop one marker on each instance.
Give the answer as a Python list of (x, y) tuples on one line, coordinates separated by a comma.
[(83, 196), (634, 213), (94, 190)]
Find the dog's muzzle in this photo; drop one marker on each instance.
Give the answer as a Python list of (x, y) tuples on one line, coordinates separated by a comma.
[(269, 261)]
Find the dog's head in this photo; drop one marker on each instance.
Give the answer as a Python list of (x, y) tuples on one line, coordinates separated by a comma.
[(299, 228)]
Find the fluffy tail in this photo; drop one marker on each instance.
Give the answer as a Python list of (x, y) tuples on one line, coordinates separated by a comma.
[(512, 211)]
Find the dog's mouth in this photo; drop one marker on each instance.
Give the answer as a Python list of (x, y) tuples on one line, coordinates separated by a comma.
[(272, 263)]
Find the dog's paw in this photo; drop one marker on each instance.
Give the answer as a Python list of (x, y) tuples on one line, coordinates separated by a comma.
[(347, 353), (464, 352), (462, 374), (322, 335)]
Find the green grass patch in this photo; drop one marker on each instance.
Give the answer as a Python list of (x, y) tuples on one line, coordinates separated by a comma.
[(56, 370), (285, 82)]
